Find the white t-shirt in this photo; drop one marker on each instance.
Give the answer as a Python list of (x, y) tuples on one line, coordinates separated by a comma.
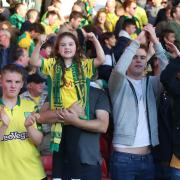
[(142, 138)]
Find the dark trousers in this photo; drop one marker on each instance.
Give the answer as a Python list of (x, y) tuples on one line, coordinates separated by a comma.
[(125, 166), (87, 172), (68, 153)]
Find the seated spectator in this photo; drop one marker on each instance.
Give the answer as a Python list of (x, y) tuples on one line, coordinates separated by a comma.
[(168, 35), (28, 38), (46, 50), (51, 23), (119, 10), (19, 133), (111, 16), (152, 8), (18, 18), (130, 10), (164, 13), (100, 24), (21, 59), (6, 48), (32, 17), (55, 6)]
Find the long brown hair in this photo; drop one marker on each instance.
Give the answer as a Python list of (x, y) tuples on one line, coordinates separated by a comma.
[(59, 59)]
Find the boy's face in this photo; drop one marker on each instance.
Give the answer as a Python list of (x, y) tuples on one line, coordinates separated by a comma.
[(12, 83), (75, 22), (25, 58), (111, 41), (131, 29), (171, 37)]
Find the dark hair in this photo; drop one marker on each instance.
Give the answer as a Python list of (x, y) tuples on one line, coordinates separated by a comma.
[(37, 27), (105, 36), (59, 59), (173, 10), (18, 53), (75, 15), (51, 13), (166, 32), (13, 68), (128, 22)]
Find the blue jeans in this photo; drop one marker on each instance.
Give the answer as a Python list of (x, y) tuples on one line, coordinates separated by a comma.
[(125, 166), (175, 174)]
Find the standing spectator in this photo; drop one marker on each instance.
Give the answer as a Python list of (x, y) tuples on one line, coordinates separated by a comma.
[(19, 133), (171, 81), (69, 76), (89, 147), (36, 92), (133, 99)]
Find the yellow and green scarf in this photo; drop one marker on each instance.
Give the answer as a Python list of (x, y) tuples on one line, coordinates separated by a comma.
[(82, 86)]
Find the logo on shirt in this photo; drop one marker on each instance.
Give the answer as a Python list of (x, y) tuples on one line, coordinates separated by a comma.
[(15, 135)]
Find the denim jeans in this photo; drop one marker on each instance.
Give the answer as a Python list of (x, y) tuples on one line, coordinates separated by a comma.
[(175, 174), (125, 166)]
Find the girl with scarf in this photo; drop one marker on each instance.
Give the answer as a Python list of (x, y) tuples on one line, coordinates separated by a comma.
[(69, 77)]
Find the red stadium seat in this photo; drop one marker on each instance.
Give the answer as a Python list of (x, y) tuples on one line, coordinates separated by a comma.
[(47, 163)]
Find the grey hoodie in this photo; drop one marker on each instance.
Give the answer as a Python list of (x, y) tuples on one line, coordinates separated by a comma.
[(123, 98)]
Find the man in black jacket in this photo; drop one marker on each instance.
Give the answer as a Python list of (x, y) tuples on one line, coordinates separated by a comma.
[(170, 78)]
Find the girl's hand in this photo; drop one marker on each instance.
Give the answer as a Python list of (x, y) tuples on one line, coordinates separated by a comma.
[(31, 119), (42, 39), (4, 117), (91, 37)]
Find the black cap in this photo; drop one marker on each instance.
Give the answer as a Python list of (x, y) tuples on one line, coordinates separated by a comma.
[(36, 78)]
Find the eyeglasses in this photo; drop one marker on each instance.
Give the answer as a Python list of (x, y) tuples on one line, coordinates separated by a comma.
[(164, 2)]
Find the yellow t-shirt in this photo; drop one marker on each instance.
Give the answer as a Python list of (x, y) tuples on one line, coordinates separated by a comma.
[(68, 91), (111, 19), (19, 157)]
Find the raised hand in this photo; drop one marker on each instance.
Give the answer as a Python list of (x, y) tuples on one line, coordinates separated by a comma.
[(42, 39), (172, 49), (150, 33), (91, 37)]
